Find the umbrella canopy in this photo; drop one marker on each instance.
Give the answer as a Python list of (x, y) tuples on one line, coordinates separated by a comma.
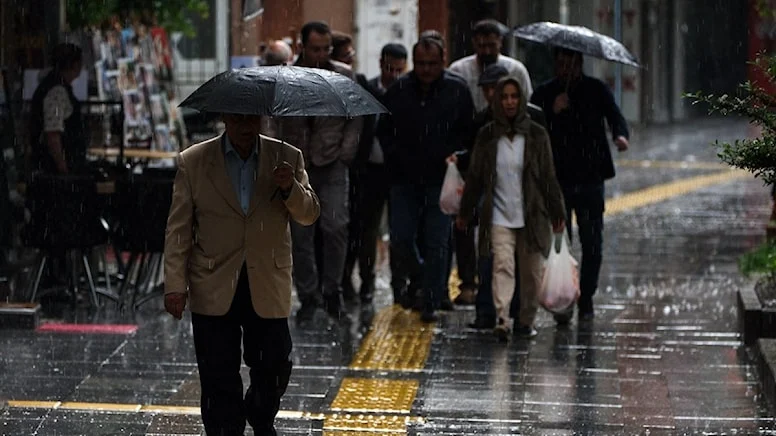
[(577, 38), (284, 91)]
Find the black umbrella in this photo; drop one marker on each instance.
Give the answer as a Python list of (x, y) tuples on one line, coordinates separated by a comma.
[(577, 38), (284, 91)]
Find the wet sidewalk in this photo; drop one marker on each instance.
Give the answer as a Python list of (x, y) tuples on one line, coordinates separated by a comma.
[(662, 356)]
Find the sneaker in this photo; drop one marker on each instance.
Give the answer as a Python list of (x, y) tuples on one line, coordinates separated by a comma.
[(525, 332)]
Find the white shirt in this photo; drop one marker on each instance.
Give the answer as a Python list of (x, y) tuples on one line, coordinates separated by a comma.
[(469, 69), (508, 210), (56, 109)]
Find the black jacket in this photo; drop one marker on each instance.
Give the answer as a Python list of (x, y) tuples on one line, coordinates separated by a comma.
[(74, 138), (578, 134), (423, 130), (370, 123)]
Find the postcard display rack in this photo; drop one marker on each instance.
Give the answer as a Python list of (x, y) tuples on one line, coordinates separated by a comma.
[(134, 67)]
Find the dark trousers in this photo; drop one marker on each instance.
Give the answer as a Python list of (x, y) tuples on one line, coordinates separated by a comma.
[(587, 203), (401, 282), (331, 185), (368, 194), (465, 256), (412, 205), (483, 305), (266, 348)]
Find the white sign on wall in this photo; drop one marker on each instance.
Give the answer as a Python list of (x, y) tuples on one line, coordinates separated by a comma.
[(379, 22)]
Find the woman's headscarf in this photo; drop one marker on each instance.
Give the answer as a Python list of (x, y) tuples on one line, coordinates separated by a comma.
[(522, 122)]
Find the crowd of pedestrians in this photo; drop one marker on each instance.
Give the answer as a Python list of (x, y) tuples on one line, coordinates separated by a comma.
[(531, 155)]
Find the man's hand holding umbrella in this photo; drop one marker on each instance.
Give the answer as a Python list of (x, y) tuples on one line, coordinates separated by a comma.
[(283, 176)]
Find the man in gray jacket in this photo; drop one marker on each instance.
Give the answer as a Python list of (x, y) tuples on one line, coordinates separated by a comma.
[(329, 145)]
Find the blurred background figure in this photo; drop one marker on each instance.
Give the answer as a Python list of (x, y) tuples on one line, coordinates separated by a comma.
[(329, 145), (342, 48), (278, 52), (487, 40), (370, 187)]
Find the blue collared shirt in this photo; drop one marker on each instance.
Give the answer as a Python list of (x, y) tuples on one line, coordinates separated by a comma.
[(242, 173)]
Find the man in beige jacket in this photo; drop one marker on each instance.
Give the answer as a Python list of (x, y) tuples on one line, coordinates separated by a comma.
[(228, 251)]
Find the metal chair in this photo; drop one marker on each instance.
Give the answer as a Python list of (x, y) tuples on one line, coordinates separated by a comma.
[(143, 203), (66, 217)]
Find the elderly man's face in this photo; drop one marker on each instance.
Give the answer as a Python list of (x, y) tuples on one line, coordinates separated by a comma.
[(242, 130)]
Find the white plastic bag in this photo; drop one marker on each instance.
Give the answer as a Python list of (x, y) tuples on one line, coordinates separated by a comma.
[(560, 283), (452, 191)]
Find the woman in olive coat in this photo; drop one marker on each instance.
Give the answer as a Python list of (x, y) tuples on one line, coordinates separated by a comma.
[(512, 181)]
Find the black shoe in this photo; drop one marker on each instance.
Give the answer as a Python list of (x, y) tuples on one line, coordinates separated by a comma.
[(419, 303), (502, 333), (348, 292), (407, 302), (467, 297), (366, 293), (306, 312), (564, 318), (398, 298), (429, 317), (586, 316), (333, 306), (585, 306), (483, 324), (446, 305)]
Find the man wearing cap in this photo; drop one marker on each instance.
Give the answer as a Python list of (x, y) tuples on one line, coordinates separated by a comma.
[(465, 251), (487, 39)]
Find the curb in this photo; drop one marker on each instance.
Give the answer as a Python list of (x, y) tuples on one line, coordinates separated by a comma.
[(750, 314), (20, 316), (766, 367)]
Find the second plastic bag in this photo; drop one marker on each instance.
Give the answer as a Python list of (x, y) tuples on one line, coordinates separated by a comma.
[(452, 191), (560, 283)]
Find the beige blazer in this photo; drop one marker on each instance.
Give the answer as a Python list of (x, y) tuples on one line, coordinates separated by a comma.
[(209, 237)]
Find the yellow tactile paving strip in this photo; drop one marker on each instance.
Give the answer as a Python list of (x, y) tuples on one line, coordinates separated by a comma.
[(664, 191), (355, 424), (678, 165), (398, 341), (375, 395)]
